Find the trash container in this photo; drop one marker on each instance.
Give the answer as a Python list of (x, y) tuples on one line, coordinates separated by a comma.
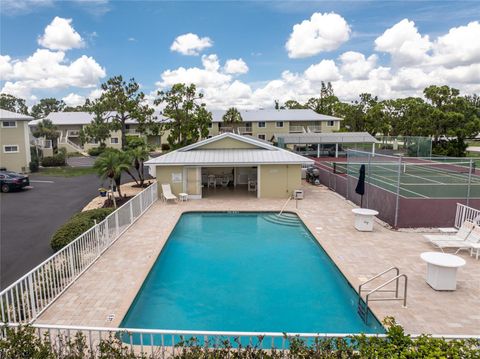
[(364, 219)]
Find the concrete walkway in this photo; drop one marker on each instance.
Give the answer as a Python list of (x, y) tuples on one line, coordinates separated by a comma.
[(111, 284)]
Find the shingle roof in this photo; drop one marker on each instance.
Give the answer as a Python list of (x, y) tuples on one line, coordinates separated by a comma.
[(276, 115), (329, 137), (9, 115), (263, 154)]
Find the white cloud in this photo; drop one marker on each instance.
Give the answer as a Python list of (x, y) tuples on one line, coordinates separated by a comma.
[(60, 35), (73, 99), (323, 32), (94, 94), (6, 68), (47, 69), (461, 45), (16, 7), (233, 66), (355, 65), (325, 70), (404, 43), (190, 44)]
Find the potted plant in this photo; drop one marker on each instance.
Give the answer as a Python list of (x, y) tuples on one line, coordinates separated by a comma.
[(103, 192)]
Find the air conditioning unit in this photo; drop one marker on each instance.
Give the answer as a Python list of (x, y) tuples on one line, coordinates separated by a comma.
[(298, 194)]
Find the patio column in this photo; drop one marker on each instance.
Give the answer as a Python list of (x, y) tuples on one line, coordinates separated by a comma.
[(318, 150), (373, 149), (336, 150)]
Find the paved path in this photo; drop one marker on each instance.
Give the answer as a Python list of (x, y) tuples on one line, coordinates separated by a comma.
[(30, 217), (81, 161)]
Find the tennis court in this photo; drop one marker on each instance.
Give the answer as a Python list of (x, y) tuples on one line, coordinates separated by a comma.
[(417, 178)]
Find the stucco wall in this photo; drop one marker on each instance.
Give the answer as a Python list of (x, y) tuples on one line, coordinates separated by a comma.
[(164, 175), (18, 136), (279, 181)]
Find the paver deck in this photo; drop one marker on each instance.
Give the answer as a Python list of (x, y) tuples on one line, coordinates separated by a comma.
[(111, 284)]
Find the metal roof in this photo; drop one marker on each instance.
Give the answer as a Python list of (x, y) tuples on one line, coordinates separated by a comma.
[(276, 115), (330, 137), (80, 118), (9, 115), (194, 156)]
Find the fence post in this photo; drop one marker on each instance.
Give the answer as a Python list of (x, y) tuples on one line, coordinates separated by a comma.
[(131, 211), (107, 229), (117, 231), (97, 237), (141, 202), (71, 261), (469, 182), (397, 202), (32, 298)]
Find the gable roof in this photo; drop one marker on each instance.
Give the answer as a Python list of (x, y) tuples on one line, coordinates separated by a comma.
[(194, 155), (9, 115), (326, 137), (276, 115)]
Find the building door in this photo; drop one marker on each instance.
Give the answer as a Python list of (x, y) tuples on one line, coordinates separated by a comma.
[(194, 182)]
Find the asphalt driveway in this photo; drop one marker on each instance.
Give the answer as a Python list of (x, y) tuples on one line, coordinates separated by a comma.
[(30, 217)]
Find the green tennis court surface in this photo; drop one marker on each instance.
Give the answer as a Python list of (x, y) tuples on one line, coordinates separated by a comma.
[(418, 180)]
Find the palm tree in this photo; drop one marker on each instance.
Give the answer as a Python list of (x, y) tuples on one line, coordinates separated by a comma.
[(110, 164), (47, 130), (232, 116), (139, 155)]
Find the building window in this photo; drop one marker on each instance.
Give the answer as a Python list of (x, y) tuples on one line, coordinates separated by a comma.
[(10, 148), (7, 124), (210, 125), (261, 136), (114, 140), (94, 142), (331, 123), (261, 124), (279, 124)]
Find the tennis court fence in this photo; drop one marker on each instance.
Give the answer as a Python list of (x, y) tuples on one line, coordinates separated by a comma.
[(406, 191)]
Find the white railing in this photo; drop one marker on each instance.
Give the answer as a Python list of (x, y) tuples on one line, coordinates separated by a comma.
[(165, 343), (42, 143), (296, 129), (226, 129), (24, 300), (315, 128), (73, 133), (466, 213), (243, 130)]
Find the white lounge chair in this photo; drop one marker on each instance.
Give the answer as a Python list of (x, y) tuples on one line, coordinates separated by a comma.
[(472, 240), (461, 235), (167, 193)]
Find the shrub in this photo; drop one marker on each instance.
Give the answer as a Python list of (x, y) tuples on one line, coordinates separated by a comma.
[(165, 147), (54, 161), (33, 165), (75, 226), (96, 151)]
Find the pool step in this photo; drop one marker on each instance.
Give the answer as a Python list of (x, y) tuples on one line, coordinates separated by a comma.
[(283, 219), (362, 310)]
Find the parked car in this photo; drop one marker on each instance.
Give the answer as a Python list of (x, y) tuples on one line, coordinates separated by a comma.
[(11, 180)]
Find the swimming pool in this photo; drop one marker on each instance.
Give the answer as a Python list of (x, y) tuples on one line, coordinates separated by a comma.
[(250, 272)]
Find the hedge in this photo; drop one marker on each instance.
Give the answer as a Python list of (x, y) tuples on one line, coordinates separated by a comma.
[(55, 160), (24, 343), (96, 151), (78, 224)]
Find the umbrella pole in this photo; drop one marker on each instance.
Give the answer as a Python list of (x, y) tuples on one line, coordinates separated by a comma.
[(361, 201)]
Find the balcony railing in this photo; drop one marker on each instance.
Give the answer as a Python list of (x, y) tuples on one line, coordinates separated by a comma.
[(226, 129), (132, 131), (296, 129), (315, 128), (73, 133), (244, 130)]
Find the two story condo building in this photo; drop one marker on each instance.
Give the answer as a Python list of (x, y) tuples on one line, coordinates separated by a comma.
[(14, 141)]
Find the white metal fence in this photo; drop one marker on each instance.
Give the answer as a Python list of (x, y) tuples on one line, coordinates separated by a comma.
[(24, 300), (466, 213), (164, 343)]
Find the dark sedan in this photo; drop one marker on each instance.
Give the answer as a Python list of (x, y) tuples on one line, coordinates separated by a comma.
[(11, 181)]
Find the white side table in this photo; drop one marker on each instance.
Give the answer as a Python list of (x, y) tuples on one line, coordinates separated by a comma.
[(183, 197), (442, 269), (364, 219)]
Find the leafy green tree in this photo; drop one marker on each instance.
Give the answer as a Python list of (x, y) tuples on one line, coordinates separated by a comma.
[(232, 115), (47, 106), (189, 118), (99, 129), (12, 103), (46, 129), (326, 103), (121, 102), (138, 150), (294, 105)]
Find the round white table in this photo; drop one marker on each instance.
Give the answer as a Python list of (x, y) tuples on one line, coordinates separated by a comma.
[(442, 269), (183, 197), (364, 219)]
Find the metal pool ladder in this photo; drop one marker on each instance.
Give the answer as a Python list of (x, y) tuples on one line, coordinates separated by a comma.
[(363, 308)]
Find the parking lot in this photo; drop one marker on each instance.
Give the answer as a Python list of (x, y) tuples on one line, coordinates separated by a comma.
[(30, 217)]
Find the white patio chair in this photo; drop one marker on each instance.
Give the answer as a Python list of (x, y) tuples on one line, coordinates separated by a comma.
[(167, 193), (461, 235), (472, 240)]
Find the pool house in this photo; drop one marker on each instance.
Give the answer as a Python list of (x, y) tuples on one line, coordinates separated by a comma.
[(230, 164)]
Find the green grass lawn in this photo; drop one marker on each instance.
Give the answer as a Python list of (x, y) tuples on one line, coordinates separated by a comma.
[(66, 171)]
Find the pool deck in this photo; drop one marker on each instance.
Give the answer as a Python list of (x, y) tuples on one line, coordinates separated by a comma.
[(111, 284)]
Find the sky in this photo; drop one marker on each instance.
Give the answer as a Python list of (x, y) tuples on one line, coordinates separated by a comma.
[(239, 53)]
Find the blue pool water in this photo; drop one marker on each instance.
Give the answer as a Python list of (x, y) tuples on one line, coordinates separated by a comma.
[(243, 272)]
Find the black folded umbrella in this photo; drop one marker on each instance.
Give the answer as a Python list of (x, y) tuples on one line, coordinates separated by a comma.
[(360, 189)]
